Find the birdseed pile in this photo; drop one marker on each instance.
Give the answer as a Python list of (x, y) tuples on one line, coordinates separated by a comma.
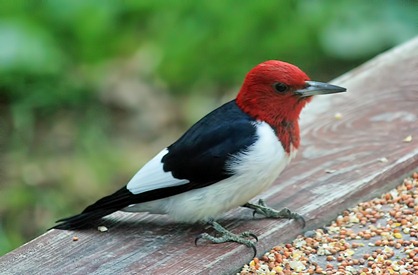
[(375, 237)]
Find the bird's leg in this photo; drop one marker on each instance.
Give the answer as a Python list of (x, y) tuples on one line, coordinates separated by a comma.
[(228, 236), (263, 209)]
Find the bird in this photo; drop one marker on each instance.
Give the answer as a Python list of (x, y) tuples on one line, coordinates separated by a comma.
[(224, 160)]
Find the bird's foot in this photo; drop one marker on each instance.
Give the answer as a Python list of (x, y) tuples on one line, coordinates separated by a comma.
[(262, 209), (228, 236)]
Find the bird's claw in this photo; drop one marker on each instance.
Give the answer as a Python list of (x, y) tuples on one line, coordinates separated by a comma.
[(227, 236), (253, 235), (298, 218), (258, 210), (262, 209)]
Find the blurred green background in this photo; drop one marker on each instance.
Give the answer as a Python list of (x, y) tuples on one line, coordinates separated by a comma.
[(90, 90)]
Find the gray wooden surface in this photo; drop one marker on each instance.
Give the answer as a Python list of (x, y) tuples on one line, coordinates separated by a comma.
[(338, 165)]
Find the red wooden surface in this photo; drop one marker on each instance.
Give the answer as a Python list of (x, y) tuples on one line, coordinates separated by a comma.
[(379, 110)]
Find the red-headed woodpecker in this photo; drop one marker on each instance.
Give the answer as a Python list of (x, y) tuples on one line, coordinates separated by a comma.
[(224, 160)]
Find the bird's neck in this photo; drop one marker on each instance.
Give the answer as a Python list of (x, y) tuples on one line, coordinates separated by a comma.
[(283, 121), (288, 134)]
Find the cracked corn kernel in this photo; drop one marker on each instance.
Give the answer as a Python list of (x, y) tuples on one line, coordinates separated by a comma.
[(102, 228), (397, 235), (338, 116), (407, 139)]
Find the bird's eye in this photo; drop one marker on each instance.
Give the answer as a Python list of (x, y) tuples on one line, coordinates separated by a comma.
[(280, 87)]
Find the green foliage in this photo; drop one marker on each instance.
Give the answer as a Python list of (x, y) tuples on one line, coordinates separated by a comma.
[(65, 142)]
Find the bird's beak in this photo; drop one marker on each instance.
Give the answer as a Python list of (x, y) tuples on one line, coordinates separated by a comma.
[(318, 88)]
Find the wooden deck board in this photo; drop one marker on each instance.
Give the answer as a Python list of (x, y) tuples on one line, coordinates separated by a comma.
[(379, 110)]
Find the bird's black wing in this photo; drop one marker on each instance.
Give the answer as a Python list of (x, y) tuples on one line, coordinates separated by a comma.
[(201, 153), (199, 158)]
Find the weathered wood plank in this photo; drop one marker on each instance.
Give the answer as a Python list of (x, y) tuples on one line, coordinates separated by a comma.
[(378, 112)]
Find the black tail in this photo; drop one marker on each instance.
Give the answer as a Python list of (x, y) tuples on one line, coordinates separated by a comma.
[(117, 201), (103, 207), (81, 221)]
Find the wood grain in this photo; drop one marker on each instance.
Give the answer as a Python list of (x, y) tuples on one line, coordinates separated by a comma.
[(379, 110)]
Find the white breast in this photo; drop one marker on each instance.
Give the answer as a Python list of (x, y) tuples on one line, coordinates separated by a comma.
[(254, 171)]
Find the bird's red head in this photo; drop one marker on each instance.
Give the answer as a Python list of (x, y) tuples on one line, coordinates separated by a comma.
[(268, 92), (276, 92)]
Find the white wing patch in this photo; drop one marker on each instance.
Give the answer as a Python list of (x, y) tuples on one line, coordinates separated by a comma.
[(152, 176)]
